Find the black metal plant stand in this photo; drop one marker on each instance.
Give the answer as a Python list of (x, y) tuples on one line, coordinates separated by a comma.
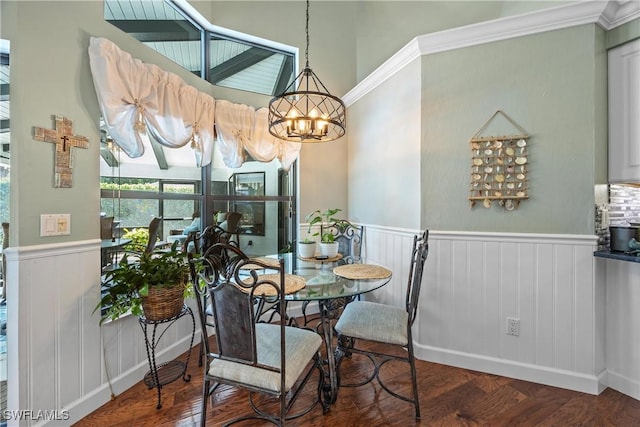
[(167, 372)]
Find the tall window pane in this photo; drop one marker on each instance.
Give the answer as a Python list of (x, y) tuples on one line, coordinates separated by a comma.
[(240, 65), (264, 196), (165, 182), (5, 157), (159, 26), (234, 61)]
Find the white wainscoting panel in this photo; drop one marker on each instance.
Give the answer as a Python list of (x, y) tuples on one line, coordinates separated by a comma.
[(474, 281), (623, 325), (60, 358), (58, 355)]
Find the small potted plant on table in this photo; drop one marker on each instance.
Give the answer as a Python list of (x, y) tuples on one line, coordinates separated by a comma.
[(328, 245), (154, 285), (306, 248)]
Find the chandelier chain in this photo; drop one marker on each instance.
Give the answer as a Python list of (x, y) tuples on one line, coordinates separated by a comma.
[(306, 52)]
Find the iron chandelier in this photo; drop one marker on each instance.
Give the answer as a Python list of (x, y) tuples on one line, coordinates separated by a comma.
[(309, 113)]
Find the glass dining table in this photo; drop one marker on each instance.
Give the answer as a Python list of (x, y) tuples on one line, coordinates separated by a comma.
[(332, 292)]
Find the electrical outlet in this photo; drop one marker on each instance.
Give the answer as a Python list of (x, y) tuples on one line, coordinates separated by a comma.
[(513, 326)]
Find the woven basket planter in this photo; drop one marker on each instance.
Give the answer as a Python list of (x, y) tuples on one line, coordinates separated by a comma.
[(163, 302)]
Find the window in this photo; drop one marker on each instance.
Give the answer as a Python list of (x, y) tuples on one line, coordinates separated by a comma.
[(159, 26), (267, 224), (163, 181), (234, 60), (5, 133), (133, 202), (249, 185), (239, 65)]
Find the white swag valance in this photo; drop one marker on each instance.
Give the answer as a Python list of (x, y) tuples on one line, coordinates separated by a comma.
[(138, 100)]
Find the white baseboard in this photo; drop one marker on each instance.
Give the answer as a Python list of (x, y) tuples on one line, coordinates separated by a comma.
[(508, 368), (623, 384), (98, 397)]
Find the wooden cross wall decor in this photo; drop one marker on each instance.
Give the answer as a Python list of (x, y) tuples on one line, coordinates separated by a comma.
[(65, 141)]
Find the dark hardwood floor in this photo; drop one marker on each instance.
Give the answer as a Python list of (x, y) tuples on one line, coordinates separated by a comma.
[(448, 397)]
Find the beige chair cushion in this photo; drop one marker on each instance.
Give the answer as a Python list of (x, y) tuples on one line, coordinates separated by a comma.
[(375, 322), (300, 347)]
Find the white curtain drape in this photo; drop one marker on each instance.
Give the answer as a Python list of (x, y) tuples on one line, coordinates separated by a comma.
[(264, 146), (138, 100)]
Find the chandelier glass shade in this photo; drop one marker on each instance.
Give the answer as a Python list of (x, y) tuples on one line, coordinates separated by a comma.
[(306, 111)]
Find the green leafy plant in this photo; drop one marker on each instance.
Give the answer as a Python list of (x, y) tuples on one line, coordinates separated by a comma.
[(327, 216), (125, 285), (139, 238), (307, 239), (286, 248)]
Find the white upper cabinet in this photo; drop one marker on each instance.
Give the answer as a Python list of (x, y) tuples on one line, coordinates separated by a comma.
[(624, 113)]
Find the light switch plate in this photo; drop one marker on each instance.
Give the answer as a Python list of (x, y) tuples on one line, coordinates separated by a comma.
[(55, 225)]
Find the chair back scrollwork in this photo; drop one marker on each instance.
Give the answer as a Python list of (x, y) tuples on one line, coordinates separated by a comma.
[(231, 291), (350, 238), (199, 242)]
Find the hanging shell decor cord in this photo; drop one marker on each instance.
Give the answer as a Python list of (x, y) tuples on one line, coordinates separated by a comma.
[(499, 167)]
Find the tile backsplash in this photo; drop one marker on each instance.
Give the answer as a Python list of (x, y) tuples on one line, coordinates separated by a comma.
[(624, 204), (621, 209)]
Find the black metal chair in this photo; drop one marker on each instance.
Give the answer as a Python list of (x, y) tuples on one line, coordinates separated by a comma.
[(106, 233), (199, 241), (154, 228), (250, 353), (233, 221), (390, 325), (106, 227), (350, 239)]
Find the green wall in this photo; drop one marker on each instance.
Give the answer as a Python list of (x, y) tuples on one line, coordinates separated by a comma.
[(551, 84), (50, 75), (384, 27), (384, 146)]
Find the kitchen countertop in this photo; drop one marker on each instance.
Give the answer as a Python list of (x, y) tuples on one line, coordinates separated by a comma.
[(621, 256)]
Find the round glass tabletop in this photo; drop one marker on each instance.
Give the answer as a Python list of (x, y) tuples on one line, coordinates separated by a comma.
[(322, 284)]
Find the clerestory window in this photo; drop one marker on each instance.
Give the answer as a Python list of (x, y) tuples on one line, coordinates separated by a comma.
[(222, 57), (167, 183)]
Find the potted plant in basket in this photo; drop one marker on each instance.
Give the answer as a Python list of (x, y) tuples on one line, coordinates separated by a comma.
[(328, 246), (153, 284)]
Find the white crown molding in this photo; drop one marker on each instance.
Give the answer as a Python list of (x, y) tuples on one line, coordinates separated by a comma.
[(606, 14), (619, 12), (391, 66)]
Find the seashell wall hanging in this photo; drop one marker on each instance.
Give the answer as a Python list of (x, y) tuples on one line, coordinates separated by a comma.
[(499, 166)]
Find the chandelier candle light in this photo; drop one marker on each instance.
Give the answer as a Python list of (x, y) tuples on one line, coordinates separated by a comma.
[(310, 113)]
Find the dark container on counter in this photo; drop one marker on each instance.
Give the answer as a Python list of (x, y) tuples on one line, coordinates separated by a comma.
[(620, 237)]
